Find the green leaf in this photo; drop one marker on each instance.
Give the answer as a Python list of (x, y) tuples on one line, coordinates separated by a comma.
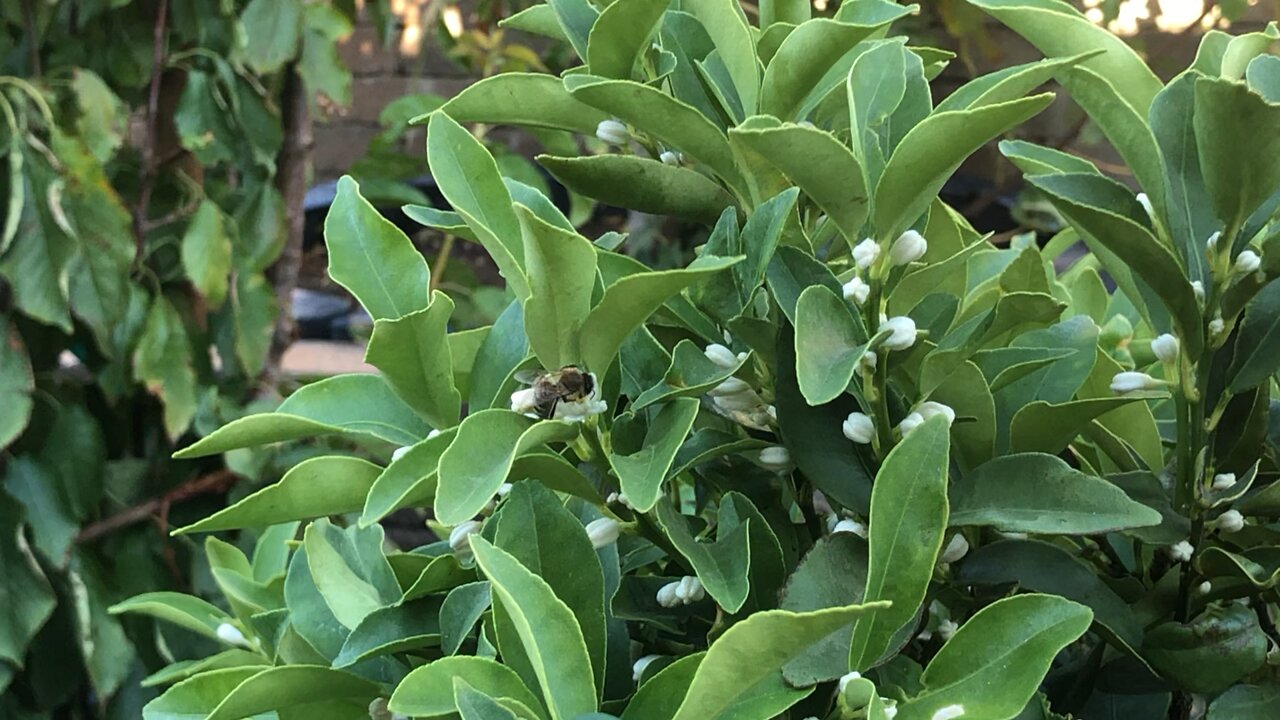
[(29, 599), (801, 62), (185, 669), (576, 18), (409, 480), (721, 566), (1239, 176), (254, 308), (726, 24), (320, 66), (460, 612), (1015, 640), (1189, 213), (641, 184), (931, 151), (478, 460), (1008, 83), (185, 611), (1037, 493), (1245, 702), (621, 35), (369, 256), (525, 99), (908, 519), (392, 629), (791, 271), (755, 650), (547, 629), (413, 354), (357, 404), (162, 361), (662, 116), (1109, 217), (820, 165), (350, 571), (1210, 653), (1035, 159), (475, 705), (831, 574), (641, 473), (17, 383), (428, 690), (53, 524), (691, 374), (197, 696), (561, 267), (1258, 566), (271, 29), (1044, 427), (829, 345), (1040, 566), (292, 686), (328, 485), (783, 11), (630, 300), (1263, 74), (469, 179), (1059, 30)]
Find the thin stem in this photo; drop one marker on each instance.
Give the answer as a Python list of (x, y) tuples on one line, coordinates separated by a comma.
[(147, 180), (33, 37)]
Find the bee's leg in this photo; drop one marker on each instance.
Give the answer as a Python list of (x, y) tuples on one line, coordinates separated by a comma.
[(551, 410)]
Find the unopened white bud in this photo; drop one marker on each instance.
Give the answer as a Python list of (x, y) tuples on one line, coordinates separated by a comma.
[(848, 678), (1145, 202), (902, 331), (947, 629), (856, 290), (950, 712), (1224, 481), (930, 409), (771, 411), (690, 590), (730, 386), (231, 635), (1212, 242), (621, 499), (775, 458), (460, 540), (433, 434), (909, 247), (603, 532), (1247, 261), (613, 132), (667, 595), (1130, 381), (865, 253), (890, 708), (1205, 588), (1217, 325), (868, 361), (1230, 521), (721, 355), (1165, 348), (639, 666), (859, 428), (851, 526), (910, 422), (670, 158), (955, 550), (399, 453), (1181, 551), (1197, 289), (504, 489)]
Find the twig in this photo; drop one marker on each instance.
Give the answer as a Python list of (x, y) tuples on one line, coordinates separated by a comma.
[(149, 165), (29, 16), (156, 508), (442, 261)]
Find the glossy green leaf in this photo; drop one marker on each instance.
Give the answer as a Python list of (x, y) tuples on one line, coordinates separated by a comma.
[(328, 485), (30, 597), (1259, 566), (186, 611), (357, 404), (800, 63), (1035, 159), (642, 184), (272, 29), (931, 151), (475, 705), (350, 571), (407, 481), (691, 374), (1210, 653), (1263, 75), (755, 650), (722, 566), (428, 690), (1239, 176), (478, 460), (908, 519), (525, 99), (547, 629), (1008, 83), (292, 686), (369, 256), (184, 669), (1245, 702), (412, 352), (199, 695), (1049, 427), (641, 473), (561, 267), (460, 612), (621, 35), (829, 345), (1038, 493), (783, 11), (16, 383), (630, 300), (726, 24), (392, 629), (1015, 640), (1189, 214), (576, 17)]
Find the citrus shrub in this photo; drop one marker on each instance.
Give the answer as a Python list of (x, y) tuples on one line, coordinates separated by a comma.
[(853, 461)]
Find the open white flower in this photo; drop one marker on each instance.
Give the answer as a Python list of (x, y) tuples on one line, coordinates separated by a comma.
[(1247, 261), (947, 629), (890, 708), (865, 253), (603, 532), (902, 331), (909, 247), (1230, 521), (525, 402), (639, 666), (460, 540), (856, 290), (955, 550), (1224, 481), (1165, 348), (1181, 551), (775, 457), (1130, 381), (613, 132), (859, 428)]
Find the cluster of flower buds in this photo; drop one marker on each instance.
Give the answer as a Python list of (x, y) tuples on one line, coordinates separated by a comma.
[(685, 591), (734, 398)]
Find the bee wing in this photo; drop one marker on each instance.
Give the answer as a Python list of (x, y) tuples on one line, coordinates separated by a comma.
[(529, 376)]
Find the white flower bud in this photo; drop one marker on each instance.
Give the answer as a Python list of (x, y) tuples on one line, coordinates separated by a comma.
[(1197, 289), (868, 361), (775, 458), (947, 629), (399, 453), (910, 422), (1128, 382), (1181, 551), (950, 712), (1247, 261), (730, 386), (1142, 199), (850, 526), (460, 540), (1205, 588), (613, 132), (1212, 242), (603, 532), (639, 666), (231, 635), (955, 550), (1217, 325), (909, 247), (721, 355), (670, 158), (504, 489), (890, 708), (1230, 521), (690, 590), (848, 678), (865, 253), (525, 402), (744, 402), (667, 595), (930, 408), (433, 434), (903, 332), (621, 499), (1165, 348), (1224, 481), (859, 428), (856, 290), (772, 412)]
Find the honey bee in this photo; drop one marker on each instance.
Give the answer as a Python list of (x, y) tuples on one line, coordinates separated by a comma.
[(570, 384)]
